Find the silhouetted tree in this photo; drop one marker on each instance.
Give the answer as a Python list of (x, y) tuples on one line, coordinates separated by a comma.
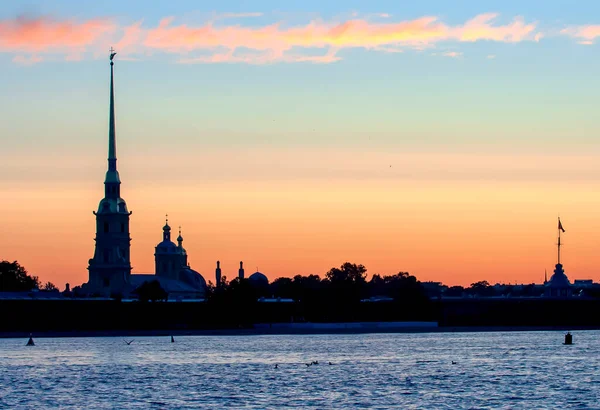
[(150, 291), (49, 287), (347, 273), (401, 286), (14, 278), (454, 291), (284, 288), (481, 288)]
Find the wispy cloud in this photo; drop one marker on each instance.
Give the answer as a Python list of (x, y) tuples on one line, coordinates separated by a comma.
[(27, 60), (32, 35), (255, 44), (452, 54), (275, 39), (584, 34), (491, 56)]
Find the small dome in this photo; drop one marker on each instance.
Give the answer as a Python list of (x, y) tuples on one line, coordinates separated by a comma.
[(559, 279), (166, 227), (166, 247), (258, 277)]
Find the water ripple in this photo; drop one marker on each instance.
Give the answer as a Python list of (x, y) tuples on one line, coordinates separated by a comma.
[(438, 370)]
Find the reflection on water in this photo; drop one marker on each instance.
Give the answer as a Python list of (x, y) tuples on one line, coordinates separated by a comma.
[(491, 370)]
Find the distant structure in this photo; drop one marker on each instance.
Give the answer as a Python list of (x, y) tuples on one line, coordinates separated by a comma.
[(172, 269), (241, 271), (258, 278), (218, 275), (558, 285), (110, 268)]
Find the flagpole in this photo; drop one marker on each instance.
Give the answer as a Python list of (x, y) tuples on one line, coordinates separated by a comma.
[(559, 240)]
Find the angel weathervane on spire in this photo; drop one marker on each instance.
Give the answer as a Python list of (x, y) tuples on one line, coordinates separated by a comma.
[(113, 53)]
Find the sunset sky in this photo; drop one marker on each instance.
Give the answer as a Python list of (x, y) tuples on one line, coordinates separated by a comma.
[(434, 137)]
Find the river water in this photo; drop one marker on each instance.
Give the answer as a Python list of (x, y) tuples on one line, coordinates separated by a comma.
[(528, 370)]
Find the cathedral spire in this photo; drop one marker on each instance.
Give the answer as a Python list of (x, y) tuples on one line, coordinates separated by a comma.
[(110, 268), (112, 182), (112, 138)]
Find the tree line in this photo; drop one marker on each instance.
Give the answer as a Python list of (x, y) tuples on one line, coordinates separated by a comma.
[(15, 278)]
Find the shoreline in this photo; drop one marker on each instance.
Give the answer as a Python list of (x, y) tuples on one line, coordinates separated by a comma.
[(287, 331)]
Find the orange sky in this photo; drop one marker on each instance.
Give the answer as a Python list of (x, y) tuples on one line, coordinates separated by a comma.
[(441, 140), (457, 227)]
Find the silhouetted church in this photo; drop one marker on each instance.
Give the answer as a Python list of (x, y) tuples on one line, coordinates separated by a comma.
[(110, 268)]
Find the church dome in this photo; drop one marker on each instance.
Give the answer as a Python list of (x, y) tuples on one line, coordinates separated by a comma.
[(166, 247), (258, 277), (192, 278)]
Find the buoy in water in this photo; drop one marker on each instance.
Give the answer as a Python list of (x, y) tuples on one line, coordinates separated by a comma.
[(30, 341), (568, 338)]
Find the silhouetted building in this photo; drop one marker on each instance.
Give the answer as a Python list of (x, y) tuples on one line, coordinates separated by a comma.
[(558, 285), (241, 271), (218, 275), (110, 268), (259, 278), (171, 262)]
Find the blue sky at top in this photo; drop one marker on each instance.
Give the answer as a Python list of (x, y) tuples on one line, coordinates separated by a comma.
[(494, 93)]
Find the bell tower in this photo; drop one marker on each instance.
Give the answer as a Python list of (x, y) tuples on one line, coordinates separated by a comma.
[(110, 268)]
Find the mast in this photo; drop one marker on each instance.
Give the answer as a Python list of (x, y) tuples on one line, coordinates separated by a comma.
[(558, 246)]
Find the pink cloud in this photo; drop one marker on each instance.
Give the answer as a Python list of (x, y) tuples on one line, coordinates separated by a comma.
[(480, 28), (33, 35), (132, 36), (277, 40), (261, 58), (585, 34), (262, 44)]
